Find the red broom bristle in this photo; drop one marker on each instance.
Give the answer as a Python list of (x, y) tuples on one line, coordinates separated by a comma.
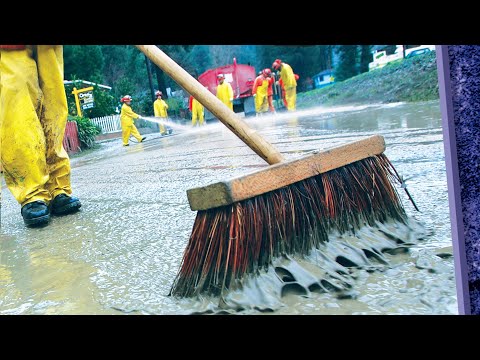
[(231, 241)]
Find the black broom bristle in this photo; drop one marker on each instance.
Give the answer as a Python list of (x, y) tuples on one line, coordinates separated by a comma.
[(231, 241)]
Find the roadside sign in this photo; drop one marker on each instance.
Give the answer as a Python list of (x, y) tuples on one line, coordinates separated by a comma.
[(86, 100)]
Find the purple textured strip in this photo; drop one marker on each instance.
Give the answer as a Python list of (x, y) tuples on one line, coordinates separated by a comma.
[(461, 115), (456, 217)]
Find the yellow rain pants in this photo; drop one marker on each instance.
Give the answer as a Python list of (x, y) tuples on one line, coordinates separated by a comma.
[(291, 97), (290, 85), (128, 127), (160, 110), (33, 116), (197, 112), (225, 93)]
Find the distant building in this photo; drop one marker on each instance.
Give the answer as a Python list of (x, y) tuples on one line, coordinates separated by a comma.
[(384, 54), (323, 78)]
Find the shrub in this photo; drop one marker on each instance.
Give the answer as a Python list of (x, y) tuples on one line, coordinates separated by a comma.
[(86, 131)]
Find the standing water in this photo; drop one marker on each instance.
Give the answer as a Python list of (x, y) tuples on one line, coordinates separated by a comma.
[(120, 254)]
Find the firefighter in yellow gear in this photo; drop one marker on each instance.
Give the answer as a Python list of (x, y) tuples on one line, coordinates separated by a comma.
[(160, 108), (225, 91), (33, 117), (126, 120), (289, 83), (197, 111), (259, 91)]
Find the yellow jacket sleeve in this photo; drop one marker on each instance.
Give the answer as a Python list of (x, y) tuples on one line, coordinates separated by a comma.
[(127, 111)]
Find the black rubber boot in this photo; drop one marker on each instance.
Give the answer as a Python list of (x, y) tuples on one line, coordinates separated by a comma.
[(36, 213), (64, 204)]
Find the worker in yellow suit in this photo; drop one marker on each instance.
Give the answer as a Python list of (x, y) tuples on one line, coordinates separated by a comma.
[(259, 92), (33, 117), (160, 108), (225, 91), (289, 83), (197, 111), (126, 120)]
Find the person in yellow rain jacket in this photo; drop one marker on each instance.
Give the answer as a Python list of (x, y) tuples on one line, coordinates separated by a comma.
[(259, 91), (126, 120), (160, 108), (33, 117), (289, 83), (225, 91), (197, 111)]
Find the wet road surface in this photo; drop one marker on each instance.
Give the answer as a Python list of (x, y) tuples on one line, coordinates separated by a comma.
[(121, 252)]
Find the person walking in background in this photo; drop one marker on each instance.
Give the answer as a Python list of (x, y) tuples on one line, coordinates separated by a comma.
[(259, 92), (225, 91), (33, 117), (289, 82), (160, 108), (267, 73), (126, 120), (197, 111)]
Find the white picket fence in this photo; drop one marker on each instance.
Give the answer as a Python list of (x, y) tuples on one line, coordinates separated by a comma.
[(108, 124)]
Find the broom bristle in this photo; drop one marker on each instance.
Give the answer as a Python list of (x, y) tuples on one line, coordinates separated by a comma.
[(229, 242)]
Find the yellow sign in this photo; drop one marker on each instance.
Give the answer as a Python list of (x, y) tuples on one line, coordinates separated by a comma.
[(77, 100)]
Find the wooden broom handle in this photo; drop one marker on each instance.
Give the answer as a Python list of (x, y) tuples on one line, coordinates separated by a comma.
[(231, 120)]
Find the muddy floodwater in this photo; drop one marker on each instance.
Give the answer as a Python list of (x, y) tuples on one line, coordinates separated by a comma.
[(120, 254)]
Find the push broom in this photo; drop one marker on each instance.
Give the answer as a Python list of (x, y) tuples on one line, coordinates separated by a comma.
[(285, 209)]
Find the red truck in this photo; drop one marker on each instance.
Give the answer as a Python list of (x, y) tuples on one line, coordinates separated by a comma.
[(241, 77)]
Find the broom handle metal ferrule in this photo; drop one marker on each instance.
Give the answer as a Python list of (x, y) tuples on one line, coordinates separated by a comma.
[(231, 120)]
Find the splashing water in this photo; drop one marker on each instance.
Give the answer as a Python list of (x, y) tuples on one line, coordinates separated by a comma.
[(265, 117), (167, 122)]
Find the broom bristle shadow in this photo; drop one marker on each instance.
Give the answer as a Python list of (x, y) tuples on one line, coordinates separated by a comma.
[(231, 241)]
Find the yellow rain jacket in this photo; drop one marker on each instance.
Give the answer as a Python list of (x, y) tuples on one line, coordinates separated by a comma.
[(225, 93), (260, 90), (160, 108), (128, 127), (290, 85), (33, 117)]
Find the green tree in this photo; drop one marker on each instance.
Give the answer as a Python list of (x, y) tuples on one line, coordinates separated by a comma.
[(115, 57), (199, 59), (123, 86), (347, 62), (365, 57), (84, 62)]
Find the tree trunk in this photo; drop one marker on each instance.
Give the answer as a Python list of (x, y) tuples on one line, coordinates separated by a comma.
[(149, 72), (161, 82)]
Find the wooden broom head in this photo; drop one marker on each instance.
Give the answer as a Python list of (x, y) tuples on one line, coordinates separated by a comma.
[(282, 174)]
